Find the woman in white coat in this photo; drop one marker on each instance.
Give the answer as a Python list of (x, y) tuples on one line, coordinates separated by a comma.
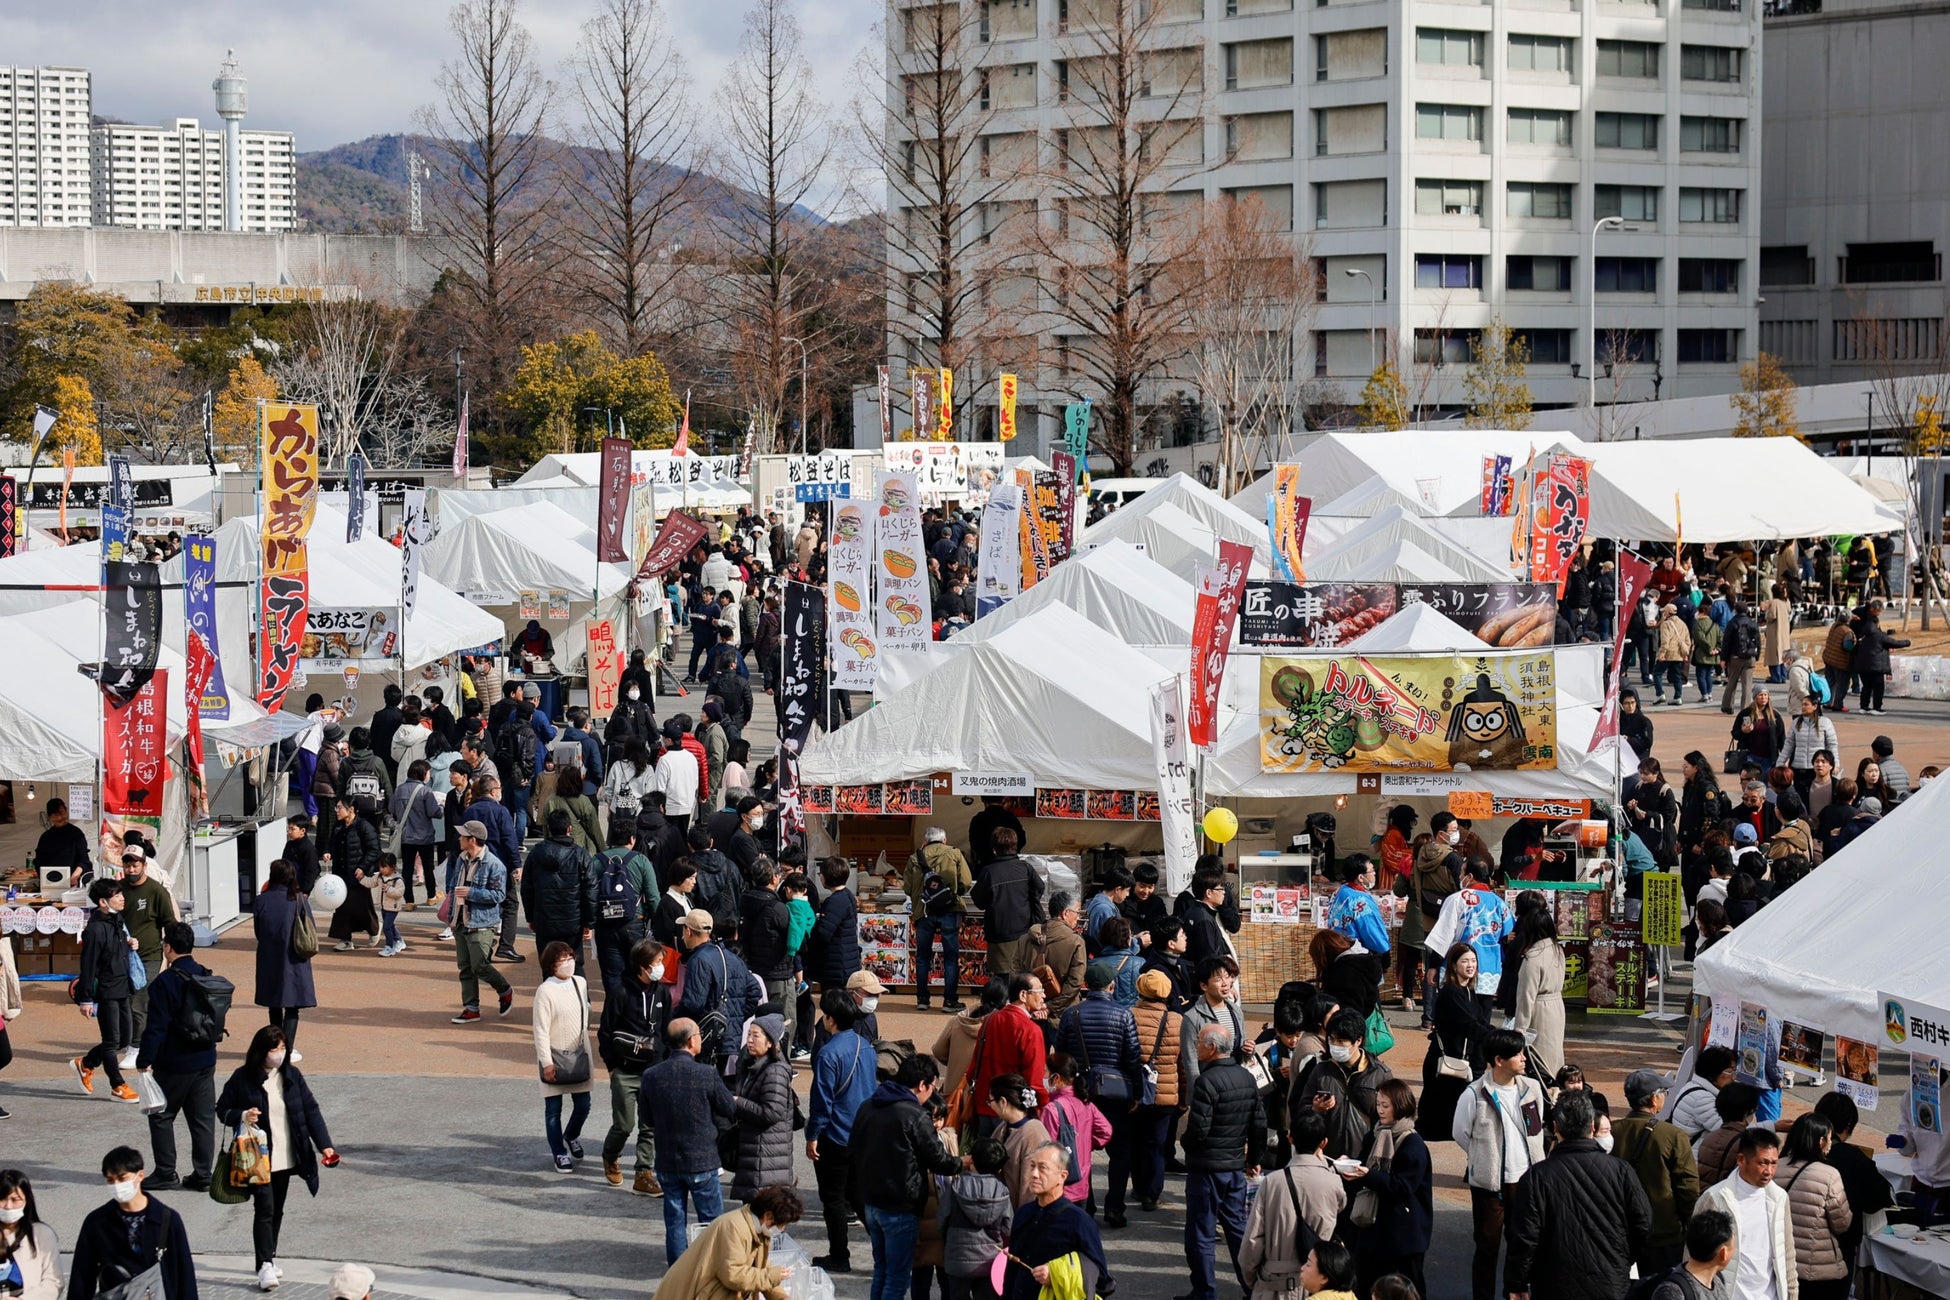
[(30, 1255), (1540, 988), (561, 1012), (10, 1007)]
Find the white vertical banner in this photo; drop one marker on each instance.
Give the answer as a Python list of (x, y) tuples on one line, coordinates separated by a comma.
[(1171, 749), (886, 405), (849, 608), (999, 567), (414, 534), (900, 567)]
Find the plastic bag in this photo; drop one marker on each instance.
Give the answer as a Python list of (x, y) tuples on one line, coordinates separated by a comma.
[(250, 1157), (808, 1280), (150, 1094)]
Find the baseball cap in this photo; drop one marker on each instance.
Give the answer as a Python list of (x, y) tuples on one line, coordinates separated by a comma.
[(1099, 975), (865, 981), (474, 831), (530, 691), (352, 1282), (1745, 833), (699, 920), (1871, 805), (1155, 985), (1643, 1085)]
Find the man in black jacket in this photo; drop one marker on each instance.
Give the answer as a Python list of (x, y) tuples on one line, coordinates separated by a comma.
[(104, 989), (719, 885), (185, 1070), (301, 851), (982, 827), (682, 1096), (735, 693), (895, 1153), (354, 855), (1010, 894), (1224, 1141), (764, 927), (384, 723), (1208, 912), (1578, 1219), (657, 837), (630, 1039), (558, 889), (126, 1237)]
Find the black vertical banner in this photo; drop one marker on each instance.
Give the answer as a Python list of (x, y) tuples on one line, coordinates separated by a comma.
[(134, 607), (802, 682)]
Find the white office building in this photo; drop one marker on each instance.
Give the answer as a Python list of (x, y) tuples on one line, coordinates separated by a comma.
[(172, 177), (44, 147), (1455, 158)]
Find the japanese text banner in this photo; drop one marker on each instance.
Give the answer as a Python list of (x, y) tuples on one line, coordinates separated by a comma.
[(132, 608), (849, 567), (998, 570), (1172, 751), (283, 610), (134, 748), (1005, 389), (290, 447), (1561, 503), (613, 501), (1433, 713), (901, 596), (675, 538), (1288, 521), (200, 613), (1217, 608)]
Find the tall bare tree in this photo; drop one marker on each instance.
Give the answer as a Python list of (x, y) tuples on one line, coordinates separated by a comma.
[(490, 163), (1112, 263), (351, 357), (636, 124), (1909, 377), (774, 145)]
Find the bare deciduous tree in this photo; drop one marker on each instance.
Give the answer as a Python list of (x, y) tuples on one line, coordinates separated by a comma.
[(350, 357), (637, 125)]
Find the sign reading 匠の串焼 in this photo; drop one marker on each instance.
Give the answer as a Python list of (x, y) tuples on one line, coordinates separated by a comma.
[(1359, 713)]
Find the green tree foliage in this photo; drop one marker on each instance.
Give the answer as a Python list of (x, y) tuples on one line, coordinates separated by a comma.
[(558, 382), (1384, 402), (1494, 384)]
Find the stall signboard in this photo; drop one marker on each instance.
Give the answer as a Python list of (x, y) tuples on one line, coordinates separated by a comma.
[(135, 749), (827, 476), (1913, 1026), (605, 668), (335, 637), (1428, 712), (980, 783), (849, 570), (1508, 615), (909, 798), (900, 568), (1615, 971), (666, 469), (1472, 805), (1663, 917), (965, 471)]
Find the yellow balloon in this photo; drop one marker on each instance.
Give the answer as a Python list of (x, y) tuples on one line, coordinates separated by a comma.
[(1221, 824)]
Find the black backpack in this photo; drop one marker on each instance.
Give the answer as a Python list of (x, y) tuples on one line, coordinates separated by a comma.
[(617, 901), (514, 752), (937, 895), (206, 1004)]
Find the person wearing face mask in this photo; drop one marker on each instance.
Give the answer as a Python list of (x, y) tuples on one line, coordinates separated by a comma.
[(630, 1039), (633, 720), (269, 1093), (30, 1253), (129, 1235), (104, 989), (1438, 862), (561, 1020), (732, 1259)]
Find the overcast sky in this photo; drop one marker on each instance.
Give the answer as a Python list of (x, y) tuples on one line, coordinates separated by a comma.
[(334, 71)]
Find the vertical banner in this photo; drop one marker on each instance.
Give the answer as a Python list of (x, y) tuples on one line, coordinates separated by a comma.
[(289, 454), (121, 482), (849, 571), (1076, 432), (1520, 513), (613, 503), (200, 617), (200, 664), (1171, 749), (1005, 390), (415, 527), (1561, 503), (1049, 515), (133, 749), (460, 440), (944, 429), (886, 404), (1219, 591), (1634, 576), (682, 447), (1497, 497), (802, 686), (210, 431), (998, 570), (676, 536), (605, 670), (1065, 467), (901, 580), (1287, 513), (1034, 546), (67, 485), (355, 497), (922, 383), (10, 529), (132, 603)]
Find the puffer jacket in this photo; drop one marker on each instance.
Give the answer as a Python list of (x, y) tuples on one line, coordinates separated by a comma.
[(974, 1213), (558, 889), (763, 933), (894, 1150), (1101, 1035), (1836, 649), (1821, 1214), (1226, 1127), (1715, 1156), (832, 951), (1675, 639), (1160, 1054), (1872, 646), (763, 1094), (1578, 1221)]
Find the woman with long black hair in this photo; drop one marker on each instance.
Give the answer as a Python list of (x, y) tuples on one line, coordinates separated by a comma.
[(30, 1254), (1702, 807), (269, 1093)]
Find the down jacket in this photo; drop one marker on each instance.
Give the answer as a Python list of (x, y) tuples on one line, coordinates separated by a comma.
[(763, 1094), (1821, 1214), (558, 890), (1161, 1054), (1226, 1127), (1579, 1219), (894, 1150), (1100, 1034), (832, 951)]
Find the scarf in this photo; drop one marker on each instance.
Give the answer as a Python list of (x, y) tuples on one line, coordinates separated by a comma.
[(1386, 1138)]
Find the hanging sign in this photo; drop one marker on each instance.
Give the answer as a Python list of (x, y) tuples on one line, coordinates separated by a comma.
[(134, 754), (900, 568), (849, 570), (200, 615), (1219, 590), (1005, 388)]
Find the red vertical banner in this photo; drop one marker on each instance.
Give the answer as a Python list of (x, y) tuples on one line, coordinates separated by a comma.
[(10, 529), (134, 757), (613, 502), (605, 673), (1560, 505), (202, 664), (1219, 592), (1634, 576)]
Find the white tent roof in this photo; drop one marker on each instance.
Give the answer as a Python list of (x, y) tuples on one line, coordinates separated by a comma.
[(1375, 494), (1358, 552), (1418, 627), (1054, 695), (1635, 492), (585, 468), (1867, 921), (533, 547), (1401, 561), (1185, 494), (1448, 464), (1176, 540)]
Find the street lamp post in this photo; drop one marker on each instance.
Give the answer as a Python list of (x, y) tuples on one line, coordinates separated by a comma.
[(802, 391), (1374, 360), (1603, 223)]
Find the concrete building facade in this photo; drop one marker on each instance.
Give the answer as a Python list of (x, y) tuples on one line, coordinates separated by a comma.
[(44, 147), (173, 177)]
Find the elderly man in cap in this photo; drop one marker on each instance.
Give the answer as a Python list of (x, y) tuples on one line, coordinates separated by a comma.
[(1661, 1155), (717, 987), (352, 1282), (476, 883)]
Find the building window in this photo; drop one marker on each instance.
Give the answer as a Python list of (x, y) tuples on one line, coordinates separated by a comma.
[(1708, 347), (1628, 275), (1910, 338), (1627, 347), (1540, 126), (1891, 263), (1628, 59), (1719, 207), (1540, 53), (1715, 6), (1435, 198), (1542, 199), (1709, 63), (1448, 122), (1544, 347), (1786, 264), (1631, 202), (1539, 274), (1252, 65), (1443, 45), (1446, 347), (1709, 275), (1627, 131), (1448, 271), (1709, 134)]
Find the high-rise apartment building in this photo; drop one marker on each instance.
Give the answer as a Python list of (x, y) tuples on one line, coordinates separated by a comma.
[(172, 177), (1443, 162), (44, 116)]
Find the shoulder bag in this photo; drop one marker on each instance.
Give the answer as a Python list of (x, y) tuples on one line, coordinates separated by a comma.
[(146, 1285), (1106, 1082), (1451, 1067), (572, 1066), (961, 1102), (304, 933), (1148, 1068)]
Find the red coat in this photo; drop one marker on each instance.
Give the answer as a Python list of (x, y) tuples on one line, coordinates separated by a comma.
[(1010, 1043), (695, 748)]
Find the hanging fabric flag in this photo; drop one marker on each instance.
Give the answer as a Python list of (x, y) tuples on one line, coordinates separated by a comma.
[(44, 418), (683, 446), (289, 454), (200, 664), (901, 573), (849, 569), (944, 429), (1172, 751), (1217, 607), (1005, 389), (998, 568), (1634, 576), (1561, 503), (922, 382), (1065, 467), (200, 617), (134, 761), (460, 441), (355, 497), (415, 528), (613, 501), (886, 404), (1286, 518), (1076, 431), (9, 516), (1496, 487)]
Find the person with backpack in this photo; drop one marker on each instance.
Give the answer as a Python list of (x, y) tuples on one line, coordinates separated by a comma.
[(631, 1040), (503, 837), (187, 1008), (937, 882), (1709, 1253), (717, 988), (362, 778), (1078, 1126), (1739, 652), (626, 897), (558, 889), (517, 750)]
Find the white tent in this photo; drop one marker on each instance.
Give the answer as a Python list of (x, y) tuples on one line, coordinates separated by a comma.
[(1444, 468), (1054, 695), (1175, 540), (1395, 562), (1355, 554), (1726, 490), (1375, 495), (1418, 627), (1868, 921), (708, 491), (1185, 494)]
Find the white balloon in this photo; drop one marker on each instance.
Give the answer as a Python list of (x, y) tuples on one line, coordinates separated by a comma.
[(328, 895)]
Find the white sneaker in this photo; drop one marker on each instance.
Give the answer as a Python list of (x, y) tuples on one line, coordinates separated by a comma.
[(267, 1278), (277, 1270), (388, 950), (447, 933), (294, 1058), (127, 1060), (399, 947), (345, 945)]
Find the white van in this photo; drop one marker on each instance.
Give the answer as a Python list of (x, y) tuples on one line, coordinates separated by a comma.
[(1116, 493)]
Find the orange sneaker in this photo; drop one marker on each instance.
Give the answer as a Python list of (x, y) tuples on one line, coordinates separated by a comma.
[(84, 1075), (123, 1092)]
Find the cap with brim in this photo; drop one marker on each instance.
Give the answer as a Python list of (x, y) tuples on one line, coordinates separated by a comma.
[(352, 1282), (474, 831), (865, 981), (698, 920), (1643, 1086)]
